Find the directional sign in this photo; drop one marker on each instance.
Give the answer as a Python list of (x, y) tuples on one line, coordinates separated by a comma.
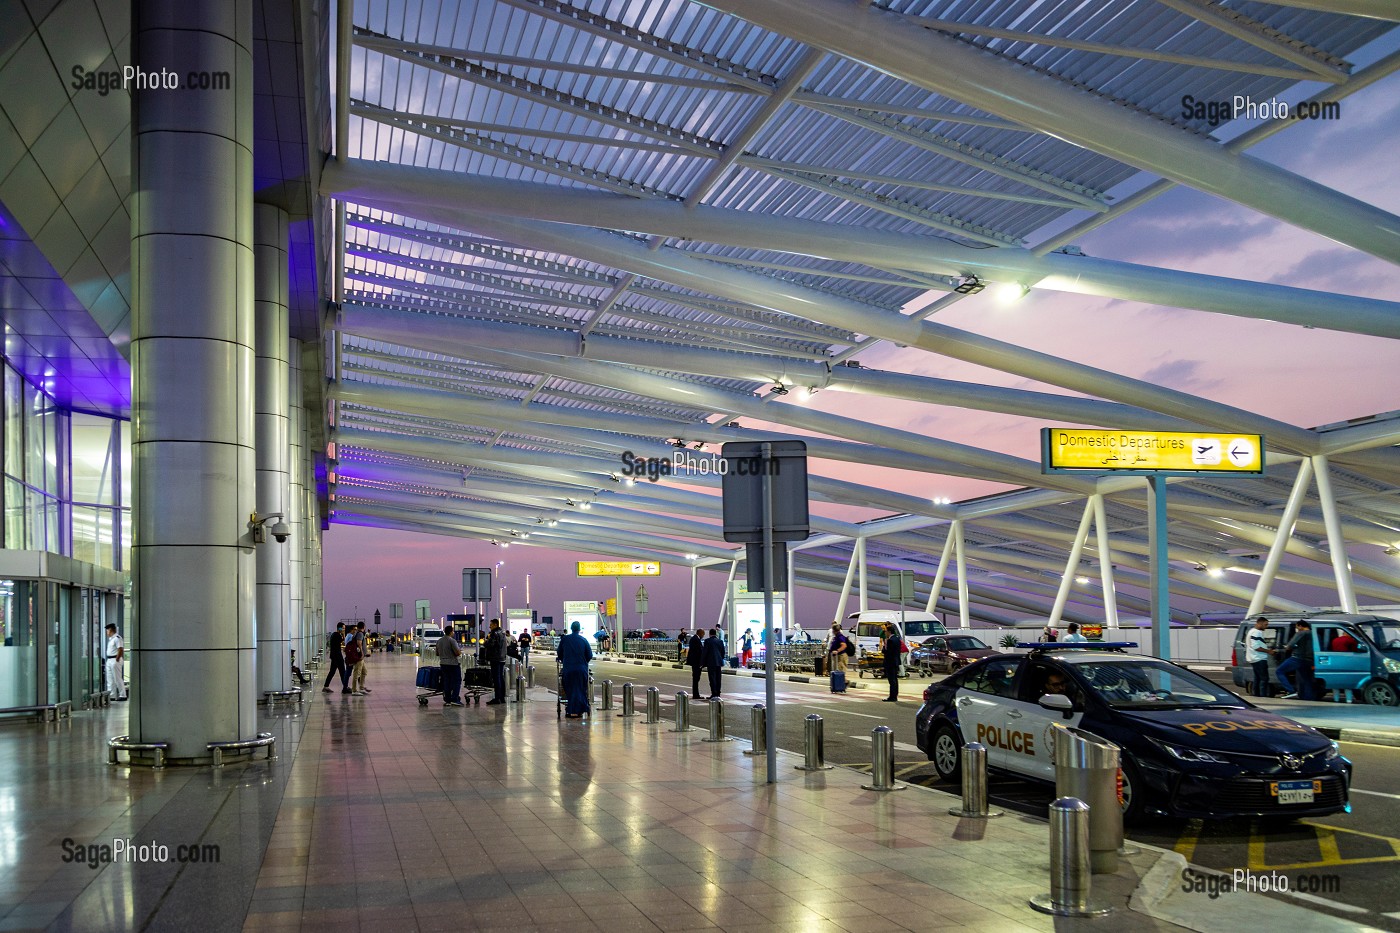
[(618, 568), (1068, 450), (476, 584)]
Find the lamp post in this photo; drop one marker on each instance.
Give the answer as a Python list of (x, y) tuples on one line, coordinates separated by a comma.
[(642, 600)]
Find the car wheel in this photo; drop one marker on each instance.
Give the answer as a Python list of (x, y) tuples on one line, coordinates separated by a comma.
[(1380, 693), (1133, 791), (945, 751)]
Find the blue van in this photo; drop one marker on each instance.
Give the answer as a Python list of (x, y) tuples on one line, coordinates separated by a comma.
[(1353, 652)]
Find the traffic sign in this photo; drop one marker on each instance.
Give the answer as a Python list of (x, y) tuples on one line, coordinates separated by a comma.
[(618, 568), (742, 490), (476, 584), (1072, 450), (901, 585)]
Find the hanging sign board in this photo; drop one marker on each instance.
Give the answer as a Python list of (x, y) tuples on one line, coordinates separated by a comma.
[(1073, 450), (618, 568)]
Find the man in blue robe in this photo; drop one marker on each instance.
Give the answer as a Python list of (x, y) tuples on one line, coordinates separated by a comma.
[(574, 655)]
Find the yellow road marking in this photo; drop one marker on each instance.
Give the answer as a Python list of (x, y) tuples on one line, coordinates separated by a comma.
[(1186, 845), (1256, 848), (1348, 861), (1328, 850), (1394, 842), (908, 769), (1327, 846)]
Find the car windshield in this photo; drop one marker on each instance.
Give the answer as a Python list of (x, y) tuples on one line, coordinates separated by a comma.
[(914, 629), (1385, 635), (1149, 683), (965, 643)]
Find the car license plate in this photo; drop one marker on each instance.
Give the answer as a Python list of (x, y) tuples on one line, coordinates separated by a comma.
[(1295, 791)]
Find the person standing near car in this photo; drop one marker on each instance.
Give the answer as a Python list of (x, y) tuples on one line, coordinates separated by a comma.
[(1256, 654), (1074, 637), (836, 650), (892, 649), (450, 662), (1299, 660), (695, 657), (496, 651)]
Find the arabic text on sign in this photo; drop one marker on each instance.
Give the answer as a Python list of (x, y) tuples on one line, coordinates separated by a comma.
[(618, 568)]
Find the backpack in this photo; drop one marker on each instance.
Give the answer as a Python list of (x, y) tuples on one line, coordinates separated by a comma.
[(353, 654), (850, 647)]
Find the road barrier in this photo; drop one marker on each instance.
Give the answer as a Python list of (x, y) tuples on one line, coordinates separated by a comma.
[(1086, 768), (629, 702), (520, 688), (653, 705), (882, 760), (812, 750), (758, 726), (717, 721), (974, 784), (530, 676), (607, 695), (1070, 878), (682, 712)]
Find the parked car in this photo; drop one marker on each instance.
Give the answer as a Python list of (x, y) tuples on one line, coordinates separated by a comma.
[(948, 653), (656, 633), (1367, 662), (1189, 748)]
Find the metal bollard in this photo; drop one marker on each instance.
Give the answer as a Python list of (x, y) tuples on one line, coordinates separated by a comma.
[(974, 784), (758, 725), (682, 712), (1070, 878), (653, 705), (629, 701), (607, 695), (1087, 769), (882, 760), (717, 721), (812, 745), (519, 689), (530, 676)]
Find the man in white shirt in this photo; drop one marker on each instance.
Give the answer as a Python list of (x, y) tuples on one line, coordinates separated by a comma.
[(1256, 655), (116, 667), (1074, 637)]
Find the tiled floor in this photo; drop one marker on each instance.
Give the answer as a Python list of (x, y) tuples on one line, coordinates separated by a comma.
[(382, 815)]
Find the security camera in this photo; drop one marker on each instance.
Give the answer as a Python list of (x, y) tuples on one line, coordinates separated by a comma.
[(281, 531), (259, 528)]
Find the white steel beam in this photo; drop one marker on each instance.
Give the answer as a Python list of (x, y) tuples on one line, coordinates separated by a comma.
[(1280, 543), (942, 64)]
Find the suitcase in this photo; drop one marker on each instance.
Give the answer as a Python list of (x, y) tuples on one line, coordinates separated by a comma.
[(430, 678), (838, 681), (477, 677)]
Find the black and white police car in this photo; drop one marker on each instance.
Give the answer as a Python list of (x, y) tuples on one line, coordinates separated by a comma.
[(1190, 748)]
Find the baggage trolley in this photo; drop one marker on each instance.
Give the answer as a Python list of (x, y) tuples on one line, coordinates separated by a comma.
[(559, 690), (476, 683), (429, 680)]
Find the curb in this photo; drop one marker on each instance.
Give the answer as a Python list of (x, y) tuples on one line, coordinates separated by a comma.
[(1365, 736)]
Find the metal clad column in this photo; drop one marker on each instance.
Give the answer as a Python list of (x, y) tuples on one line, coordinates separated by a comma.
[(270, 238), (193, 572), (296, 554)]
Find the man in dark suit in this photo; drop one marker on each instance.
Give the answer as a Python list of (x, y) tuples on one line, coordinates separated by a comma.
[(695, 658), (713, 657)]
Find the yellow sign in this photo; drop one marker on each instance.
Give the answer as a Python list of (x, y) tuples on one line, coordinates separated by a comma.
[(1150, 451), (611, 606), (618, 568)]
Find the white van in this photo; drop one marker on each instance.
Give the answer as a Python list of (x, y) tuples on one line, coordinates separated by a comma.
[(869, 627), (425, 636)]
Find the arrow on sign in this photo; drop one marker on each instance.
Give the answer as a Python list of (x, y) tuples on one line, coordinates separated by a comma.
[(1241, 452)]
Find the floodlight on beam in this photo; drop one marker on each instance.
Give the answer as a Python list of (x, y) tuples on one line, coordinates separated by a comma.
[(970, 285)]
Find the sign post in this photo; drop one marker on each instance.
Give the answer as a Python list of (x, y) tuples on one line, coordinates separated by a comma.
[(765, 501), (476, 587), (902, 589), (1156, 455), (617, 569)]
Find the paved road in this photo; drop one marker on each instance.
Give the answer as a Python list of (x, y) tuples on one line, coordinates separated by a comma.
[(1351, 860)]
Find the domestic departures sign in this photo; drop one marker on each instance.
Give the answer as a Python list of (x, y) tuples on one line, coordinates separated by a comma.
[(1074, 450), (618, 568)]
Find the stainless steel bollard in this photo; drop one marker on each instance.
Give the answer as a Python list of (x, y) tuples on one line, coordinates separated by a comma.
[(519, 689), (682, 712), (653, 705), (882, 760), (629, 702), (530, 676), (717, 721), (1086, 768), (812, 745), (974, 784), (607, 695), (758, 725), (1070, 878)]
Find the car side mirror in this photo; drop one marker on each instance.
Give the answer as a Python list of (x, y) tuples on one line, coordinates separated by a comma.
[(1058, 702)]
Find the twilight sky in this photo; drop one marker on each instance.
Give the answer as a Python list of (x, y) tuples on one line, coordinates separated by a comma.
[(1307, 377)]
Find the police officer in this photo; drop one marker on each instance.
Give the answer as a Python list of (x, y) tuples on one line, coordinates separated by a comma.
[(116, 663)]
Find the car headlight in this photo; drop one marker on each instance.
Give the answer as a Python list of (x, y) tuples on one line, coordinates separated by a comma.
[(1333, 751), (1392, 666), (1183, 753)]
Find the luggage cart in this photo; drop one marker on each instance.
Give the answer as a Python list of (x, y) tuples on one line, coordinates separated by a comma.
[(429, 682), (559, 690), (476, 683)]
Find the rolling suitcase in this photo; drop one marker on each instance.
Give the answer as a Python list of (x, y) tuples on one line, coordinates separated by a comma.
[(430, 678), (838, 681)]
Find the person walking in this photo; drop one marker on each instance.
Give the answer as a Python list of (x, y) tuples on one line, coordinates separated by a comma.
[(450, 664), (526, 640), (1299, 660), (116, 664), (746, 648), (695, 657), (892, 649), (713, 657), (574, 655), (356, 649), (1256, 654), (335, 647), (837, 654), (680, 647), (496, 651)]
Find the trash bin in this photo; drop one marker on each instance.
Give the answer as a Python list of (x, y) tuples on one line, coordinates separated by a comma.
[(1086, 767), (820, 665)]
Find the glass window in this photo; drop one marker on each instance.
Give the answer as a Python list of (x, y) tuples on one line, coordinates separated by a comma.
[(14, 424), (34, 404), (14, 515), (19, 645), (994, 677), (94, 468)]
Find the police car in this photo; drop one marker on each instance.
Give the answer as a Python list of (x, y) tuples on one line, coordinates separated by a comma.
[(1190, 748)]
